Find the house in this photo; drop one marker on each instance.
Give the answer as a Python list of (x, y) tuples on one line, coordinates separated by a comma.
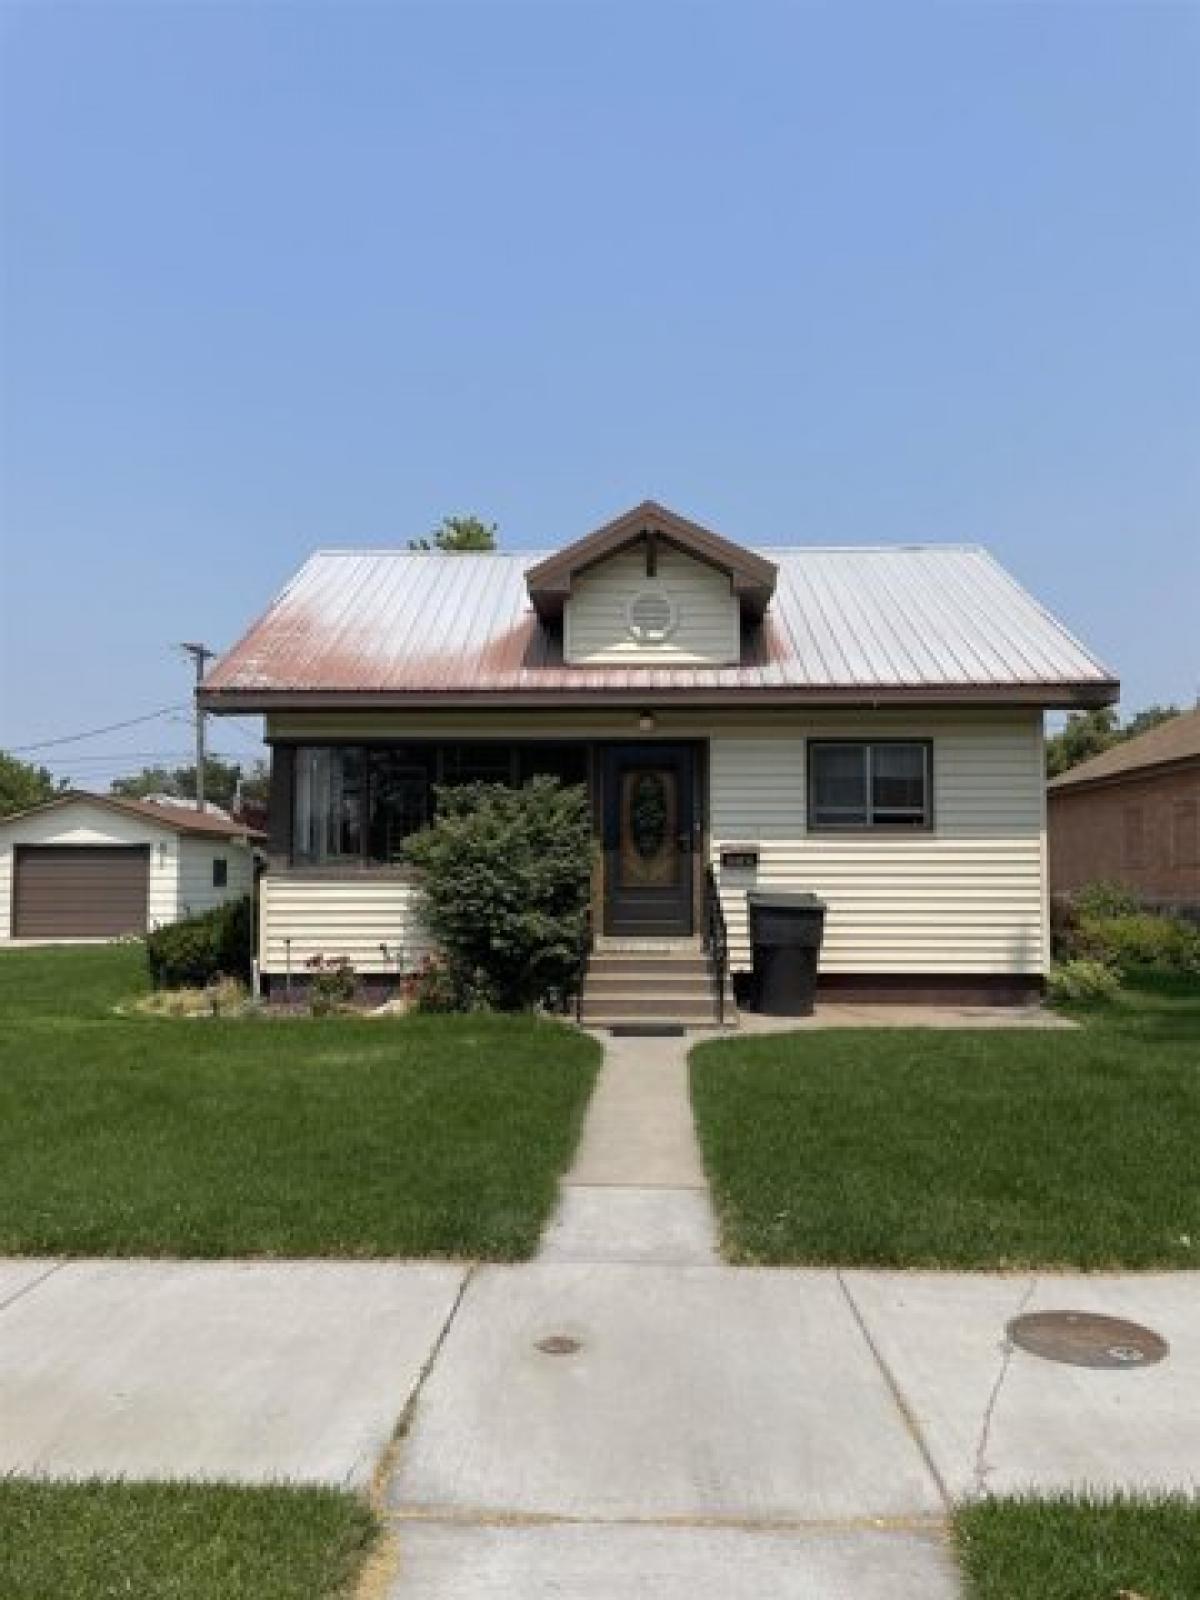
[(94, 866), (1131, 815), (865, 723)]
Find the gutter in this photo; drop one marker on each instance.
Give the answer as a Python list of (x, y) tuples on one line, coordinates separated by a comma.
[(1064, 696)]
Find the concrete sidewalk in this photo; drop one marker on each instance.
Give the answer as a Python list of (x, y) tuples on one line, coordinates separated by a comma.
[(739, 1432), (246, 1372), (728, 1431)]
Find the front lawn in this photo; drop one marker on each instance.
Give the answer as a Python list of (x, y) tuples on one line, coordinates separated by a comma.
[(423, 1136), (98, 1541), (1078, 1549), (915, 1148)]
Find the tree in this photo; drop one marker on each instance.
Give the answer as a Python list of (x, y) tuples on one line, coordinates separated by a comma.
[(221, 780), (23, 785), (256, 784), (1086, 734), (457, 534), (1151, 717), (1090, 733)]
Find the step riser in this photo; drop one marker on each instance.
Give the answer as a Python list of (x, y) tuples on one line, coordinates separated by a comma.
[(606, 966), (600, 1013), (629, 983)]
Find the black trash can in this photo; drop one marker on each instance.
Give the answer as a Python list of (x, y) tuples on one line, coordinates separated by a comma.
[(785, 937)]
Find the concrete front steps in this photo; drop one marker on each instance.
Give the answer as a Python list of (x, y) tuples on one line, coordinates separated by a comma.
[(632, 986)]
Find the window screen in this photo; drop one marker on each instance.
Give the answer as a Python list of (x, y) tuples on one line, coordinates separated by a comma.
[(328, 803), (881, 784), (477, 763), (566, 762), (401, 797)]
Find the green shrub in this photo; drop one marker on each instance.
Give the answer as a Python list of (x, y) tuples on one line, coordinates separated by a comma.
[(191, 953), (506, 884), (1081, 982), (1139, 943), (438, 987), (1104, 900), (332, 986)]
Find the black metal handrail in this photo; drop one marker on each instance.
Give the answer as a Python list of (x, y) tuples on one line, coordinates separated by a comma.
[(716, 939), (586, 941)]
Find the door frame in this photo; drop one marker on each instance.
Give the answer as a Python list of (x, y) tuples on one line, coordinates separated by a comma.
[(605, 753)]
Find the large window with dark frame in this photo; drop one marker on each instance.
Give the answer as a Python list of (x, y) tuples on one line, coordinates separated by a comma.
[(359, 803), (881, 783)]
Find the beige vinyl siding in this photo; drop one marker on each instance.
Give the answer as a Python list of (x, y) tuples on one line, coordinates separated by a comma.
[(966, 897), (339, 917), (82, 824), (596, 626), (196, 857)]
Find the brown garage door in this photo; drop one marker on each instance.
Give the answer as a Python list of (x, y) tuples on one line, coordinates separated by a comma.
[(80, 891)]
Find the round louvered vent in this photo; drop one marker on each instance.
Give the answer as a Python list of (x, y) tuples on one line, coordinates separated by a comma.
[(651, 616)]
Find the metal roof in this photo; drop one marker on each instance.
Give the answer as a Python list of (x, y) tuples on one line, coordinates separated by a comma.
[(1170, 742), (909, 622)]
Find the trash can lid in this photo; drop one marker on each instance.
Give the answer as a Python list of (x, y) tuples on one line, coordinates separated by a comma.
[(785, 900)]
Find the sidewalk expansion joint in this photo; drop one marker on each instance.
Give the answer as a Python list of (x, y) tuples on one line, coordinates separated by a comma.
[(28, 1288), (386, 1464), (452, 1517), (889, 1377), (626, 1183)]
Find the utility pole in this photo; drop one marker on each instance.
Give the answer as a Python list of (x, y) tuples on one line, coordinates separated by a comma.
[(200, 653)]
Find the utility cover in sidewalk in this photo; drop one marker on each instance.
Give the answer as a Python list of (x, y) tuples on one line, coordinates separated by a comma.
[(559, 1344), (1087, 1339)]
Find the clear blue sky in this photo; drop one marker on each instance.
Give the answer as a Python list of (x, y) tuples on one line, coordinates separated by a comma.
[(286, 276)]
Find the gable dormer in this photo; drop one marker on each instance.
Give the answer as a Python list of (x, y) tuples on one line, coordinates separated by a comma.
[(652, 589)]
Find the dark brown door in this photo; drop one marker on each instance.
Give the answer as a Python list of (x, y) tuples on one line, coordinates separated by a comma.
[(649, 825), (80, 891)]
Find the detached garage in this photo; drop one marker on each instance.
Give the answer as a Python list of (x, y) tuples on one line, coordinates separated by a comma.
[(90, 866)]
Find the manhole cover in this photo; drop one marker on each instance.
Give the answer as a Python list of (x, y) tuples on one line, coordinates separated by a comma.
[(1086, 1339), (558, 1344)]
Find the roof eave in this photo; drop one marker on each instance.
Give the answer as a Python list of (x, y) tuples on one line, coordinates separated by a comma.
[(114, 803), (1068, 783), (1046, 696)]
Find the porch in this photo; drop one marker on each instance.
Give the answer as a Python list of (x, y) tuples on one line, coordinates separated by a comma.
[(339, 884)]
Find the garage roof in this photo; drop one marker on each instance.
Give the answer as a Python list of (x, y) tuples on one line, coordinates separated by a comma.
[(177, 818)]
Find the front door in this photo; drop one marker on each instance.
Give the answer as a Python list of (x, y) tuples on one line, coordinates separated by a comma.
[(649, 828)]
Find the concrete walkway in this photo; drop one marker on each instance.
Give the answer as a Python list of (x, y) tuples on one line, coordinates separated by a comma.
[(637, 1191)]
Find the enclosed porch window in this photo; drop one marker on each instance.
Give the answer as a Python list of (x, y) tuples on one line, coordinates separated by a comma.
[(359, 803)]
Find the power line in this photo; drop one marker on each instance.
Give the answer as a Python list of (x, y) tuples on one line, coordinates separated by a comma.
[(116, 756), (94, 733), (233, 727)]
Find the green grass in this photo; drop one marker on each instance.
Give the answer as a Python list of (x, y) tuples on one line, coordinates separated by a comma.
[(70, 981), (996, 1149), (426, 1136), (1074, 1548), (174, 1541)]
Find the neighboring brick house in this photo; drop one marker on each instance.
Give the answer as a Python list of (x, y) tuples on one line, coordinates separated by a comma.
[(1132, 816)]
